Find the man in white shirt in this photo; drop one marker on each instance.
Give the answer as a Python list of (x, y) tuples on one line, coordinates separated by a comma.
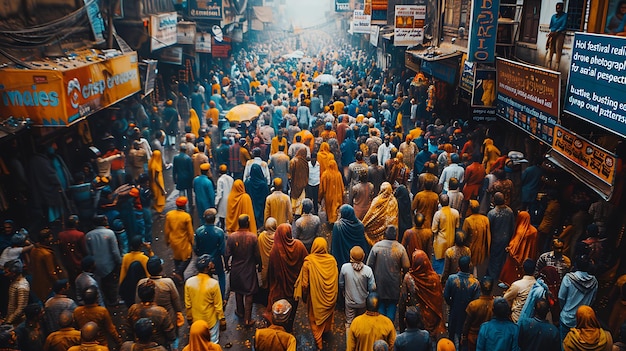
[(452, 171), (256, 154), (517, 294), (384, 151), (314, 181), (224, 185)]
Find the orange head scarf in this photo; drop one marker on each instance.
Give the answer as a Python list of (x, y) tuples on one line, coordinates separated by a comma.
[(156, 161), (331, 189), (200, 338), (324, 156), (383, 212), (445, 345), (587, 335), (523, 243), (239, 203), (430, 293), (323, 283)]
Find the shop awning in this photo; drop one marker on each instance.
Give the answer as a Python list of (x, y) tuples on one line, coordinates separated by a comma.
[(603, 189), (588, 162), (62, 92), (436, 54)]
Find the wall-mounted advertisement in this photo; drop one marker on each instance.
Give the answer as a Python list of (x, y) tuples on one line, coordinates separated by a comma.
[(409, 25), (361, 22), (205, 9), (597, 161), (528, 97), (484, 88), (163, 30), (597, 81)]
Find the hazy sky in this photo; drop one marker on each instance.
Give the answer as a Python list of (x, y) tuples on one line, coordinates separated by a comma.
[(307, 13)]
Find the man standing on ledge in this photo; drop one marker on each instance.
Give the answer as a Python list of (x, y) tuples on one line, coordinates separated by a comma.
[(556, 37)]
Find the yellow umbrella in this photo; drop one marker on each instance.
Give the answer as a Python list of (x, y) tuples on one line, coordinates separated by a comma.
[(243, 113)]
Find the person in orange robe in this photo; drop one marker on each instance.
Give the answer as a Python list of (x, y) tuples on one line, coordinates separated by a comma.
[(239, 203), (324, 156), (331, 189), (421, 287), (522, 246), (155, 170)]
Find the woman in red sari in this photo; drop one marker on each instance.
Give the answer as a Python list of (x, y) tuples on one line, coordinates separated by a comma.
[(286, 259), (522, 246), (421, 287)]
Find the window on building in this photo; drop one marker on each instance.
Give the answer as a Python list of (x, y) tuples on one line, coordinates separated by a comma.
[(448, 17), (576, 14), (529, 26)]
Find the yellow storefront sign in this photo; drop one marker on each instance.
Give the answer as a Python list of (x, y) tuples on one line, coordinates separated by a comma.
[(594, 159), (64, 92)]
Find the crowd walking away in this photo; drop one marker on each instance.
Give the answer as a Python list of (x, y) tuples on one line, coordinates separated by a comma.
[(311, 214)]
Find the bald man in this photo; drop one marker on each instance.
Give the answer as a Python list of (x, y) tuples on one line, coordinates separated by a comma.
[(89, 339), (65, 337)]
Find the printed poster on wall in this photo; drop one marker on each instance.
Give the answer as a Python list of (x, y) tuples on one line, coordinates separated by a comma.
[(163, 30), (409, 20), (484, 88), (205, 9), (361, 22), (597, 81), (528, 97)]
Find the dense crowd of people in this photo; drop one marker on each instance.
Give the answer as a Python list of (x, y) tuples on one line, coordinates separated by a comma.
[(352, 195)]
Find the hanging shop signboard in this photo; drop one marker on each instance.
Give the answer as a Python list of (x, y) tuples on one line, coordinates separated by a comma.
[(95, 18), (597, 81), (65, 92), (409, 25), (528, 97), (186, 32), (203, 42), (205, 9), (592, 158), (361, 22), (467, 74), (163, 30), (374, 34), (483, 30)]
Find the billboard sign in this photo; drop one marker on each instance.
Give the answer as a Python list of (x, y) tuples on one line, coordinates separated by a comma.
[(528, 97), (597, 81)]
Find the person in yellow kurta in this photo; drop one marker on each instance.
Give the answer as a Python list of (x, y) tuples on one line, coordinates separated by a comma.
[(490, 154), (319, 279), (331, 190), (478, 229), (274, 337), (179, 236), (278, 204), (324, 156), (445, 223), (157, 185), (278, 140), (369, 327), (194, 122), (203, 303), (266, 241), (239, 202), (382, 213), (212, 113), (135, 254)]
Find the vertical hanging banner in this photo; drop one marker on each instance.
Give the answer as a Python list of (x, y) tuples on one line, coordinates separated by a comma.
[(97, 23), (483, 31), (361, 22), (409, 21), (374, 33)]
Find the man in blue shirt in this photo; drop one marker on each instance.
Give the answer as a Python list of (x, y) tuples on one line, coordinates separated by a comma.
[(500, 333), (556, 37)]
